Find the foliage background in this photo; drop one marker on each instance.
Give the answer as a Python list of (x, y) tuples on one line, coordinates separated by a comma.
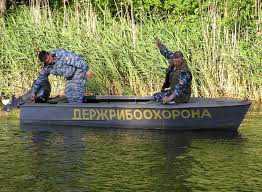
[(220, 39)]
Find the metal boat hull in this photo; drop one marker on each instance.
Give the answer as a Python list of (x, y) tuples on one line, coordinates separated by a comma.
[(140, 113)]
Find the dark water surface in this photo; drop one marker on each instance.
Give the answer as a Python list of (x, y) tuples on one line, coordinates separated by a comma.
[(73, 159)]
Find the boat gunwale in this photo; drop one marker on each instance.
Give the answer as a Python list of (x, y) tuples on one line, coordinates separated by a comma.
[(132, 105)]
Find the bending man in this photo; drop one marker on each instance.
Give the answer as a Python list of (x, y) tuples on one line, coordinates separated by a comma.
[(69, 65)]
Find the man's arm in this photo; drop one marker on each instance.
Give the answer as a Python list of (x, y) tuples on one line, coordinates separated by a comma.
[(166, 83), (164, 50), (185, 79), (43, 76)]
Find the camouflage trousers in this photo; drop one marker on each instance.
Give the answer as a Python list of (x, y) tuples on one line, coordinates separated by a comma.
[(160, 95), (75, 90)]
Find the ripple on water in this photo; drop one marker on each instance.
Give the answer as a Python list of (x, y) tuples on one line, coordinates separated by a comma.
[(75, 159)]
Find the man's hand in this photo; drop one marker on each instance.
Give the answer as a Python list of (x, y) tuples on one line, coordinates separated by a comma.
[(90, 74), (158, 43), (166, 100), (165, 89), (33, 98)]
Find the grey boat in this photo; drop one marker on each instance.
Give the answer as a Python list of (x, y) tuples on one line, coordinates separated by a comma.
[(138, 113)]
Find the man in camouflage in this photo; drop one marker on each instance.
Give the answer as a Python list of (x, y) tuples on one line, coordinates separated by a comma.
[(177, 85), (69, 65)]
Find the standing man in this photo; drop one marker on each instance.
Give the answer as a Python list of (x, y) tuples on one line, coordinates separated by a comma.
[(177, 85), (69, 65)]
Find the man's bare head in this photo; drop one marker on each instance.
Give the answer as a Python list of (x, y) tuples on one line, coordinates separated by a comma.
[(176, 59), (45, 57)]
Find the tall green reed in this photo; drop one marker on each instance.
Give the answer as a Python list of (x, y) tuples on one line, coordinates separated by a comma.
[(123, 55)]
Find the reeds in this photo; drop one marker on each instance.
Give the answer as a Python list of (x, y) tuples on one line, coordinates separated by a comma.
[(123, 54)]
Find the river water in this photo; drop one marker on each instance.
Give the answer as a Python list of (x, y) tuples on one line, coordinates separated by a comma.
[(74, 159)]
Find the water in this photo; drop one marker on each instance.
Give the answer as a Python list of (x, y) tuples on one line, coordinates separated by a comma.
[(73, 159)]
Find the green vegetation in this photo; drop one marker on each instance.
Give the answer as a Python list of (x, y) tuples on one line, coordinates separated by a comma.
[(222, 43)]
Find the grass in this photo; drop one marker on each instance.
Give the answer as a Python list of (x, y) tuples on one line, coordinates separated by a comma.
[(123, 54)]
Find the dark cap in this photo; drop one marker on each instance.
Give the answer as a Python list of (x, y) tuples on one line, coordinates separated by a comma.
[(177, 54)]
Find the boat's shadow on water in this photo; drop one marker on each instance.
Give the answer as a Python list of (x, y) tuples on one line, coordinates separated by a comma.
[(211, 134), (167, 155), (175, 138)]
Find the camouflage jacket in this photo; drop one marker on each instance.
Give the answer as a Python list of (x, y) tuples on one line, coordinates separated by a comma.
[(165, 52), (179, 81), (66, 64)]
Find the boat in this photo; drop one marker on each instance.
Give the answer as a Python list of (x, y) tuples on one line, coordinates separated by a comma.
[(138, 113)]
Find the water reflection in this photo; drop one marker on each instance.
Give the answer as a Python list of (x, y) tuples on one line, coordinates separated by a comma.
[(57, 159), (114, 159)]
